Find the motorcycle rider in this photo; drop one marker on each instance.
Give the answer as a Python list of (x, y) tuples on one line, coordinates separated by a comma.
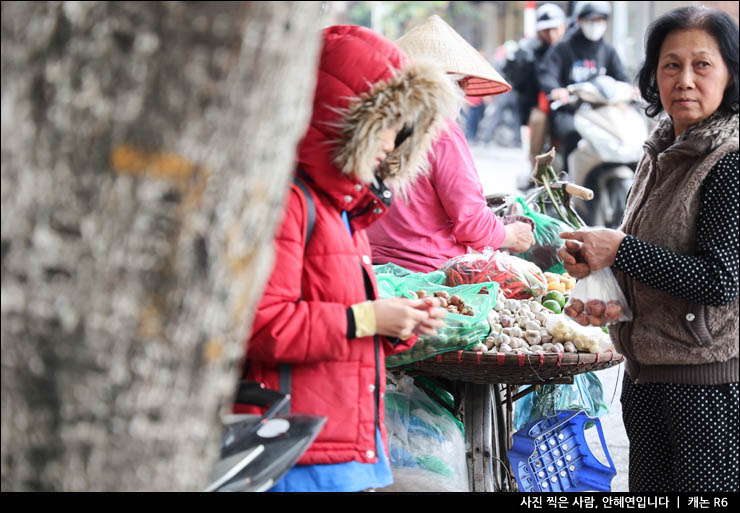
[(581, 55), (521, 72)]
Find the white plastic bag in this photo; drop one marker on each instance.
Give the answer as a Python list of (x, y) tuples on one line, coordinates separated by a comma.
[(426, 443), (587, 339), (597, 300)]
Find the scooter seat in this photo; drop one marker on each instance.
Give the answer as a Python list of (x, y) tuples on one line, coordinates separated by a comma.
[(254, 460)]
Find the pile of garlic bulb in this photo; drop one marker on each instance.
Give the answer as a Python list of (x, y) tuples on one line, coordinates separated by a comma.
[(528, 327), (517, 326)]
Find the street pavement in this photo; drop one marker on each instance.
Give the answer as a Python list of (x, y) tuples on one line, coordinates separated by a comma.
[(614, 434), (501, 170)]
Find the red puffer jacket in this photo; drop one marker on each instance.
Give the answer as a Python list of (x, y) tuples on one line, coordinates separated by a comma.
[(364, 86)]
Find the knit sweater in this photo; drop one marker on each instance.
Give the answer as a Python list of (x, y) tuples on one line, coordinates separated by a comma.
[(671, 339)]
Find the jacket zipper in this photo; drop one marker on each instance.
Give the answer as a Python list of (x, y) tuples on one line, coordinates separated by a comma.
[(377, 389), (376, 347), (646, 195)]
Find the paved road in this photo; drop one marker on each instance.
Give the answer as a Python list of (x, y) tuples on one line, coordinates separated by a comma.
[(500, 170), (614, 434)]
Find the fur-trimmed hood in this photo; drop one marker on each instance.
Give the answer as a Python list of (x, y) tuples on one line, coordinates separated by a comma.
[(366, 84)]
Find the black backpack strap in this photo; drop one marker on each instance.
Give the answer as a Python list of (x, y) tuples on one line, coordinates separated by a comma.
[(310, 206), (284, 368)]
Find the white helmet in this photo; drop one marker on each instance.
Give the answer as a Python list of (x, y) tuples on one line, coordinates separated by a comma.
[(549, 16)]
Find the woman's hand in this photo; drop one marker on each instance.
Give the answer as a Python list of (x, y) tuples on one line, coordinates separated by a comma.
[(402, 317), (573, 262), (519, 237), (597, 250)]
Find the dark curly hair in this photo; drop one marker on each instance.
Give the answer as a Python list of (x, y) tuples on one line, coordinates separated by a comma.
[(713, 21)]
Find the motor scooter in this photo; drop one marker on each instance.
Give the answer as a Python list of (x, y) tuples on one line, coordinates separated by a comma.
[(257, 451), (613, 128)]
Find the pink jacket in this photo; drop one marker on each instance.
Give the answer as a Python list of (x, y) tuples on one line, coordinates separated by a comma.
[(445, 214)]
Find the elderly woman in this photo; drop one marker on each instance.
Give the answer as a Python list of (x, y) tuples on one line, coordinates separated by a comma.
[(676, 259)]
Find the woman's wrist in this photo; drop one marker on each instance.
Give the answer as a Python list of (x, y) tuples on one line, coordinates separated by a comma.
[(364, 319), (623, 251)]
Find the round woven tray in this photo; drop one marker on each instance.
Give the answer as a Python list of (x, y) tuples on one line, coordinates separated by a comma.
[(512, 368)]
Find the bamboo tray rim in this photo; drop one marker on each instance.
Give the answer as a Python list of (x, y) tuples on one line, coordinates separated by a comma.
[(519, 368)]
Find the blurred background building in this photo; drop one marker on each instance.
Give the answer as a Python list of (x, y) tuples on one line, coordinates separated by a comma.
[(496, 27)]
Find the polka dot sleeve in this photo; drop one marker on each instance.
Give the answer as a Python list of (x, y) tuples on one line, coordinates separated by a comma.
[(711, 275)]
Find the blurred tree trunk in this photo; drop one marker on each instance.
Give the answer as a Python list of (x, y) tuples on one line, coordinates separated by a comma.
[(146, 151)]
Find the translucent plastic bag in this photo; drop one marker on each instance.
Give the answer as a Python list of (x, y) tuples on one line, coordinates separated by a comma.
[(586, 393), (586, 339), (597, 300), (517, 278), (547, 242), (390, 276), (460, 331), (392, 269), (400, 272), (426, 442)]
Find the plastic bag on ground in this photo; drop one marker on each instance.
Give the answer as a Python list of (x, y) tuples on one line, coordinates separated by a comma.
[(597, 300), (517, 278), (425, 441)]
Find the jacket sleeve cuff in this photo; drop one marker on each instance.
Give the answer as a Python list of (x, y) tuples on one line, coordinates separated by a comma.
[(364, 319), (498, 236), (627, 248), (350, 324)]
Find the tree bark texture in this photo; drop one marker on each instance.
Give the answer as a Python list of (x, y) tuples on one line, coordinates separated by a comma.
[(146, 152)]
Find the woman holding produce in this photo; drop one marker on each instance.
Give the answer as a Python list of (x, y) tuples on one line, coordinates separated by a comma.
[(676, 260), (446, 213), (319, 323)]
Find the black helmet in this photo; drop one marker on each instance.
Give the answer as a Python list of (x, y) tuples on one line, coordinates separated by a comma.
[(587, 10)]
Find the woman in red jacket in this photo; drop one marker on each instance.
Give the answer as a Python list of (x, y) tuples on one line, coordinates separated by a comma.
[(374, 117)]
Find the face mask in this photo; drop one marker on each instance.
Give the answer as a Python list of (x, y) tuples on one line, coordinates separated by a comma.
[(594, 30)]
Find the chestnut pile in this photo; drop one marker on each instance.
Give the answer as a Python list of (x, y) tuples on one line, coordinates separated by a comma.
[(453, 304), (594, 312)]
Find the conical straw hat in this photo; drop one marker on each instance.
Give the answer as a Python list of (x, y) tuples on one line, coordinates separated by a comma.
[(437, 41)]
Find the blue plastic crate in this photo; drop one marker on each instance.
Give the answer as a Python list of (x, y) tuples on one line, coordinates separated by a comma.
[(551, 455)]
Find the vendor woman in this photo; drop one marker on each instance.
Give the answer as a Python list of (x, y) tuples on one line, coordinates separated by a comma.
[(675, 257), (445, 212)]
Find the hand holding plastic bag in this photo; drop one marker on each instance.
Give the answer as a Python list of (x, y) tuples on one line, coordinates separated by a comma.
[(547, 240), (597, 300)]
